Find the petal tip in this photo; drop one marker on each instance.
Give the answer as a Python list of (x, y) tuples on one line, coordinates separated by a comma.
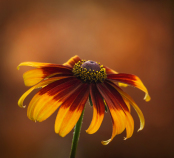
[(106, 142), (22, 106), (21, 64), (18, 67), (147, 97), (140, 129), (62, 134), (125, 138), (88, 131), (20, 103)]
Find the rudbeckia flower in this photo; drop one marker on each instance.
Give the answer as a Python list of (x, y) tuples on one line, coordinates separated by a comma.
[(69, 86)]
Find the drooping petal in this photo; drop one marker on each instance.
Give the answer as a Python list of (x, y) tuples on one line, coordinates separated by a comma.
[(131, 80), (117, 114), (129, 125), (118, 98), (98, 109), (71, 110), (137, 109), (47, 100), (40, 84), (71, 62)]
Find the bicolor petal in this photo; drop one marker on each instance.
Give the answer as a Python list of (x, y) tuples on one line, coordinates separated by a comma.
[(57, 101), (34, 76), (71, 110), (117, 114), (98, 109), (126, 109), (40, 84), (131, 80), (48, 99)]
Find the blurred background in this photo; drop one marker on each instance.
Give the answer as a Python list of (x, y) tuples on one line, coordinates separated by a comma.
[(129, 36)]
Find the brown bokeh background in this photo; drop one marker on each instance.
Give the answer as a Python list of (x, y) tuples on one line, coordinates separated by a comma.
[(129, 36)]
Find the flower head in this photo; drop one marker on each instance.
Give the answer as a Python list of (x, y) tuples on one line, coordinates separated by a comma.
[(70, 85)]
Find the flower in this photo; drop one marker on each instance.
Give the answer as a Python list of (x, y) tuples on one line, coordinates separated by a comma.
[(69, 86)]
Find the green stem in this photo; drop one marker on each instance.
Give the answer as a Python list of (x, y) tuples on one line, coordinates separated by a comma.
[(76, 136)]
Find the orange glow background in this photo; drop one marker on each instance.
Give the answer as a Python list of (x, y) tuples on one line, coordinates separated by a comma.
[(129, 36)]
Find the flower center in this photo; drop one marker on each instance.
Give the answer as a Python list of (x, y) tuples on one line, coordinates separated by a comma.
[(89, 71), (91, 65)]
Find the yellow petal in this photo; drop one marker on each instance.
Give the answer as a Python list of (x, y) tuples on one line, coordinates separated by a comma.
[(137, 109), (70, 120), (33, 77), (129, 125), (118, 122), (71, 62)]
